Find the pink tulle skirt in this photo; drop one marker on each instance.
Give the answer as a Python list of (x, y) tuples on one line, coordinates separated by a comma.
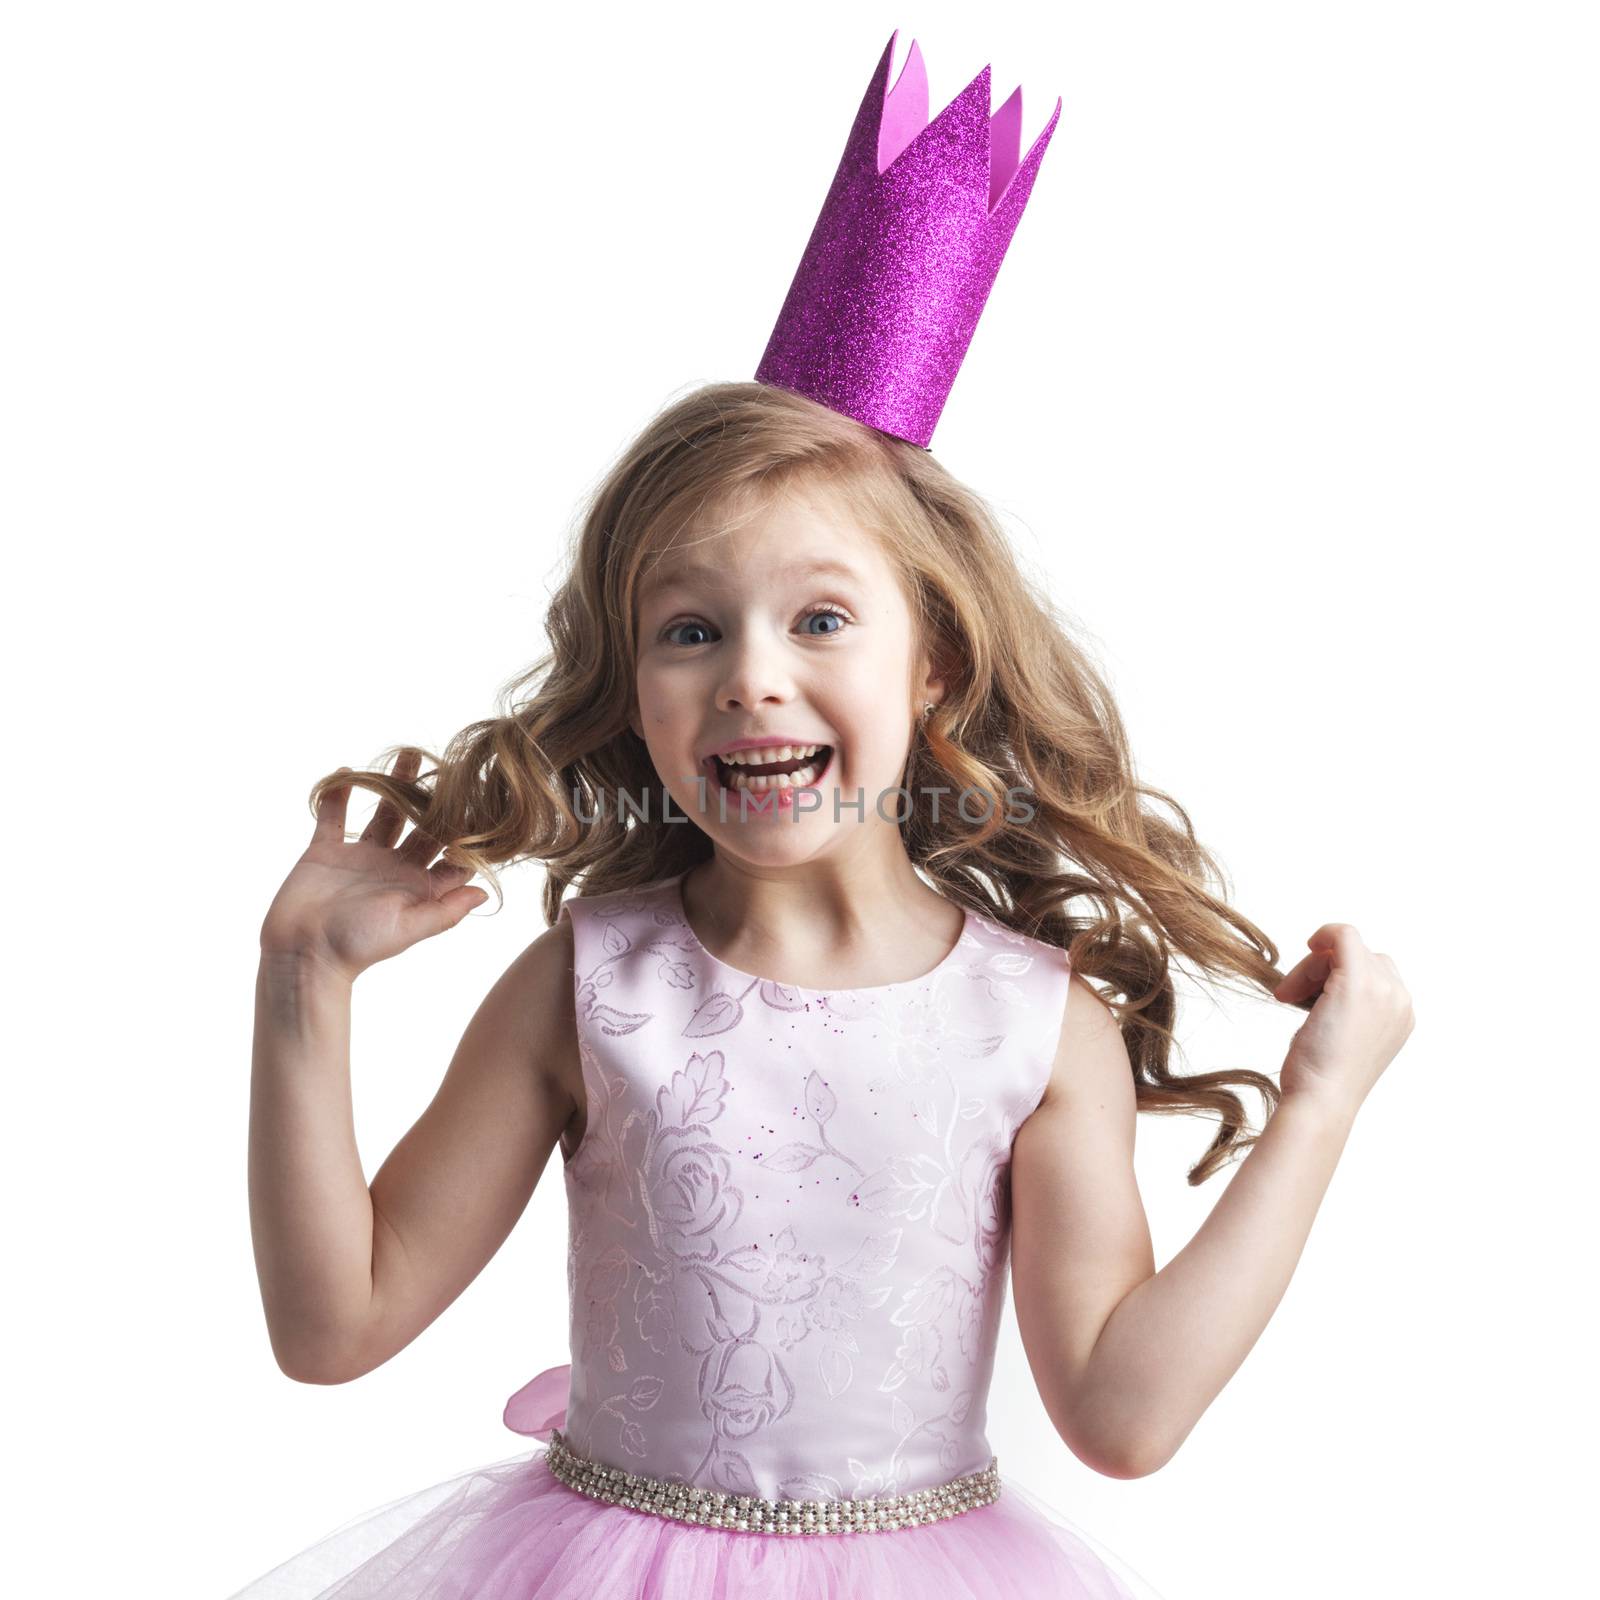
[(514, 1531)]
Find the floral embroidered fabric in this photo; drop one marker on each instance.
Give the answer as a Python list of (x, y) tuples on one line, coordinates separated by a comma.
[(790, 1212)]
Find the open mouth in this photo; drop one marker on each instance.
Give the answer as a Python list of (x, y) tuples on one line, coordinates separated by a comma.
[(780, 780)]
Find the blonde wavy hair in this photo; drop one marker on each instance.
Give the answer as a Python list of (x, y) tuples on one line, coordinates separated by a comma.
[(1098, 870)]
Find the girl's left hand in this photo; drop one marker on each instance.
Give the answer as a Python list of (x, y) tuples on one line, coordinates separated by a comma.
[(1361, 1017)]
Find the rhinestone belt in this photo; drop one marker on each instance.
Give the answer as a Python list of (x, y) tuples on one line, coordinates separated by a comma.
[(748, 1513)]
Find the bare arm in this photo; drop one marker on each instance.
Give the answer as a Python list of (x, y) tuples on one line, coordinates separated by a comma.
[(1127, 1359), (350, 1274), (1080, 1240)]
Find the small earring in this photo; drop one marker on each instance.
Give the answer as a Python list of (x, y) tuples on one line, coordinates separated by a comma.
[(927, 710)]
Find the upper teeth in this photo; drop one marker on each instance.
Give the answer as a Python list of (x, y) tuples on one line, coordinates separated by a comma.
[(763, 758)]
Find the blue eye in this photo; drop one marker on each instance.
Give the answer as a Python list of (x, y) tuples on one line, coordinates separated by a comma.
[(829, 611), (666, 633), (818, 611)]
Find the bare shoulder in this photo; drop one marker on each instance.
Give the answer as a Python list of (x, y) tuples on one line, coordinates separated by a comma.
[(540, 998), (1091, 1061)]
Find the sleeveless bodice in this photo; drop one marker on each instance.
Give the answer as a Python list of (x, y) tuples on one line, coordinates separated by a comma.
[(790, 1212)]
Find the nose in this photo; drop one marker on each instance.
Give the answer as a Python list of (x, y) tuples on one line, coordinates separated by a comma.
[(754, 672)]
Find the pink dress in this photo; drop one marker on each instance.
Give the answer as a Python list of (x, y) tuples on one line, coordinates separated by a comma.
[(789, 1246)]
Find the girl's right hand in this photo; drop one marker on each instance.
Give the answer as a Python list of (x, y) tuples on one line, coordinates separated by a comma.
[(350, 906)]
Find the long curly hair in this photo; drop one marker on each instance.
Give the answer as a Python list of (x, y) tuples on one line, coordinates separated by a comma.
[(1098, 869)]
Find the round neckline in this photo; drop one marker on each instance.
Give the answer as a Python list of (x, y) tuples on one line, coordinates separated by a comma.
[(752, 977)]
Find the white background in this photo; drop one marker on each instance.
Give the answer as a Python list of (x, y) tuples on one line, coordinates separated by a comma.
[(319, 322)]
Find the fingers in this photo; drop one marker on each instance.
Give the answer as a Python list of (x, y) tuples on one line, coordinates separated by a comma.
[(387, 820), (1337, 946), (447, 876), (460, 901), (1340, 945), (419, 849), (1344, 945), (1305, 978), (436, 916), (387, 824), (331, 812)]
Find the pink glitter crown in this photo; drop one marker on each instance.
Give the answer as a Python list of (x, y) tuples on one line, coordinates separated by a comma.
[(905, 252)]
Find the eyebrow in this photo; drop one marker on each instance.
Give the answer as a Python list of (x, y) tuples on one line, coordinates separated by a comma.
[(682, 574)]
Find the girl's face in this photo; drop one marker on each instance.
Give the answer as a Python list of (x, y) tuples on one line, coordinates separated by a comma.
[(790, 630)]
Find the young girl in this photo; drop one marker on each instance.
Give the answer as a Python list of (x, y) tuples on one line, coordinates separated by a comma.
[(868, 971)]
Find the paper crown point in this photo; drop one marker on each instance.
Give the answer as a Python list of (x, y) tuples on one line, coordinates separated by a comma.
[(905, 251)]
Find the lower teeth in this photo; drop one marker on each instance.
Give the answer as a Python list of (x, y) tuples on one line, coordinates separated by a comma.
[(794, 780)]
